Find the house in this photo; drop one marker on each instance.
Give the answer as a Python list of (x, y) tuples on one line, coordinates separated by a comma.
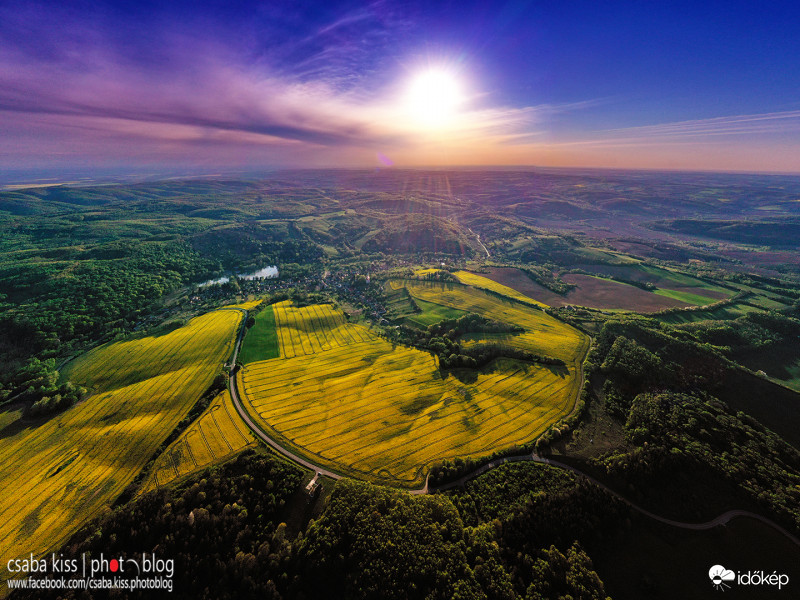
[(314, 486)]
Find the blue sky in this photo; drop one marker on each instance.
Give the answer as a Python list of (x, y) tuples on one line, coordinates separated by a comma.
[(694, 85)]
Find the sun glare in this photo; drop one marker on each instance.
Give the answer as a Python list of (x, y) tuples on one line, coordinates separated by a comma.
[(433, 98)]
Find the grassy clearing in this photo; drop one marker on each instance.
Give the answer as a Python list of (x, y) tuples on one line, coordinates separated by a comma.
[(731, 311), (398, 302), (359, 243), (216, 435), (662, 278), (261, 341), (767, 303), (671, 279), (688, 297), (791, 378), (789, 374), (780, 301), (60, 474), (780, 362), (373, 410), (432, 313)]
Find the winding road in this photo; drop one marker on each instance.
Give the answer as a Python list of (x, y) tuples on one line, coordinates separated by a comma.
[(478, 237), (237, 403), (722, 519)]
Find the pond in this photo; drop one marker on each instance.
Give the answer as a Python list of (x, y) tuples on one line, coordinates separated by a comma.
[(269, 272)]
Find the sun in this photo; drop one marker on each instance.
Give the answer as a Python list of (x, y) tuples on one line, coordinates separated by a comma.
[(434, 97)]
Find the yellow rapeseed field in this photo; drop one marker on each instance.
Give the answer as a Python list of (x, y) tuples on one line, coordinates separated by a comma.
[(423, 272), (59, 474), (312, 329), (217, 434), (543, 334), (374, 410), (247, 305), (477, 281)]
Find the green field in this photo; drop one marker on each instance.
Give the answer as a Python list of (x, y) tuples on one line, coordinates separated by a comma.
[(781, 363), (664, 278), (772, 296), (687, 297), (669, 278), (731, 311), (398, 303), (432, 313), (362, 406), (261, 341), (767, 302), (670, 284), (789, 374)]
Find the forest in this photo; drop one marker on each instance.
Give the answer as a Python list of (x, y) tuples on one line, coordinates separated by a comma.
[(227, 528)]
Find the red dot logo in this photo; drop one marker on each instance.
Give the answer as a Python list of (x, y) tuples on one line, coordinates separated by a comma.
[(114, 565)]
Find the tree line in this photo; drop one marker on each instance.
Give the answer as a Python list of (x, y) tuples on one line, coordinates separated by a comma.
[(441, 340)]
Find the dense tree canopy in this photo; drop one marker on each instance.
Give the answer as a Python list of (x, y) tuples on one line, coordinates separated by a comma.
[(225, 532)]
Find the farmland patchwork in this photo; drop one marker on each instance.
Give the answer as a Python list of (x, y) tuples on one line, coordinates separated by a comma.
[(58, 475), (351, 401)]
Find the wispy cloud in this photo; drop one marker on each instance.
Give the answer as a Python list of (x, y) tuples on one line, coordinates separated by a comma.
[(349, 19), (88, 86), (214, 94), (774, 122), (753, 142), (193, 92)]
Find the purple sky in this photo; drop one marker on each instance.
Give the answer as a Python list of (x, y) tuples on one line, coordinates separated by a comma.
[(273, 84)]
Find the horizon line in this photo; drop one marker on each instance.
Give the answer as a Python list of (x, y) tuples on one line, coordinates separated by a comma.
[(85, 180)]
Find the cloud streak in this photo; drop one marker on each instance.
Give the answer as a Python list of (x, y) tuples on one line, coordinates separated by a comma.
[(188, 93), (211, 95), (766, 123), (92, 87)]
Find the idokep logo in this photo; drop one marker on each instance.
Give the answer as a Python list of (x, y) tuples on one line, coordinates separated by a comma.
[(722, 578)]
